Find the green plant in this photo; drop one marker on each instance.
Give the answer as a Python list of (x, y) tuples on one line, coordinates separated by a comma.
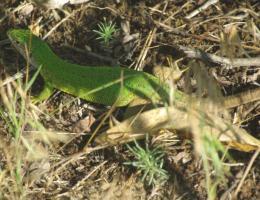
[(105, 31), (215, 172), (17, 115), (15, 109), (149, 163)]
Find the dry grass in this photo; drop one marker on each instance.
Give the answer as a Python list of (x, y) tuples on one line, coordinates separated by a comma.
[(40, 153)]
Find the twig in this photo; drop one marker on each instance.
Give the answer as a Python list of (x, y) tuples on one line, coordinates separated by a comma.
[(84, 179), (13, 78), (177, 31), (57, 25), (73, 2), (235, 62), (247, 171), (62, 21), (140, 62), (201, 8), (242, 98)]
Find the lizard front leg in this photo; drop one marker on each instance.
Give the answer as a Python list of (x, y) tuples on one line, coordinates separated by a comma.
[(46, 92)]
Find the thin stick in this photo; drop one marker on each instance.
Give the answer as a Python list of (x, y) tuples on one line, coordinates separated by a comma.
[(74, 2), (235, 62), (140, 62), (12, 78), (201, 8), (82, 180), (242, 98), (62, 21), (177, 31), (247, 171), (57, 25)]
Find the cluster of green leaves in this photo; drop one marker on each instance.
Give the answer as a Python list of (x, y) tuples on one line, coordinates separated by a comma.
[(106, 31), (149, 163)]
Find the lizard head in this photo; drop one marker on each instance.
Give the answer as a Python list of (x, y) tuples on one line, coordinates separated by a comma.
[(31, 47), (20, 37), (22, 40)]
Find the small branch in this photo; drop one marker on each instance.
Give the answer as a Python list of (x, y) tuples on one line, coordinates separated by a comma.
[(73, 2), (242, 98), (235, 62), (201, 8), (246, 172), (12, 78), (58, 24), (63, 20)]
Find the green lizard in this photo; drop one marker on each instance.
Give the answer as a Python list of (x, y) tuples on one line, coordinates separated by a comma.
[(101, 84), (106, 85)]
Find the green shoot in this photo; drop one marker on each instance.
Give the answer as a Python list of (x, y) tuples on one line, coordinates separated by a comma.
[(149, 163), (210, 148), (17, 114), (105, 31)]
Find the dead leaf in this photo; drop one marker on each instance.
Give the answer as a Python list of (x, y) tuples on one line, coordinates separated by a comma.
[(84, 124), (177, 118), (26, 10)]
